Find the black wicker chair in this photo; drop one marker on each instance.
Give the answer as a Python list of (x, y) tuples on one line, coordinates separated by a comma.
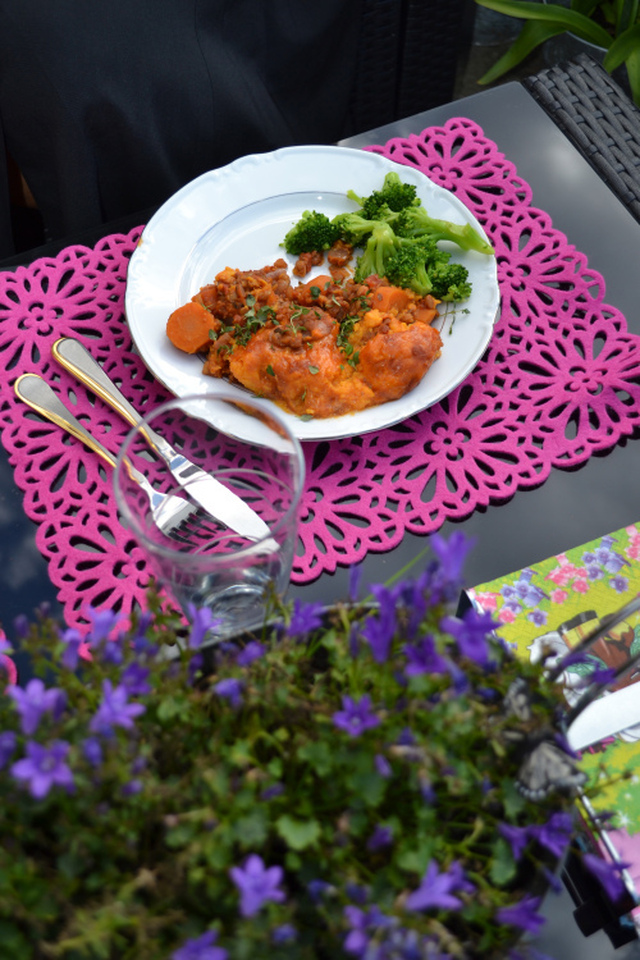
[(598, 117)]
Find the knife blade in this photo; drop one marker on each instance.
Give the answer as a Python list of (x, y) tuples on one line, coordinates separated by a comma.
[(210, 493), (611, 714)]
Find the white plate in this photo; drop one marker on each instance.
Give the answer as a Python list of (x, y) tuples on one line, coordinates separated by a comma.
[(237, 216)]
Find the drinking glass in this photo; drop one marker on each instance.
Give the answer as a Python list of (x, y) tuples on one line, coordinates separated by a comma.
[(247, 448)]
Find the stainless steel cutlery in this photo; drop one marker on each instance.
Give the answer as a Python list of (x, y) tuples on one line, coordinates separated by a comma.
[(169, 511), (218, 501)]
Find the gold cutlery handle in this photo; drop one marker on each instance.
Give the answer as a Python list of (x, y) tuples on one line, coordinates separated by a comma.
[(76, 359), (37, 394)]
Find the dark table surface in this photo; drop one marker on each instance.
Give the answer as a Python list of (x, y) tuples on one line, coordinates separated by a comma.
[(570, 508)]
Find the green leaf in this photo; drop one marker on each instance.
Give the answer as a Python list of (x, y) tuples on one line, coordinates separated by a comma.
[(172, 708), (503, 866), (633, 72), (551, 13), (512, 799), (621, 49), (531, 36), (318, 755), (251, 831), (299, 834)]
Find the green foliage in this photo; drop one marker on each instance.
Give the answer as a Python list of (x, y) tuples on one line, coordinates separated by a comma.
[(134, 858), (613, 25)]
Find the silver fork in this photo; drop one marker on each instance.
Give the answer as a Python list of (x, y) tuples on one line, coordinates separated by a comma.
[(168, 510)]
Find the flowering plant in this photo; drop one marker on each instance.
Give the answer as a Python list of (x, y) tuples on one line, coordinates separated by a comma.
[(345, 783)]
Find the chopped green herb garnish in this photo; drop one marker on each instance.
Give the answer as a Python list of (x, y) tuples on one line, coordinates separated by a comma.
[(270, 370), (313, 369)]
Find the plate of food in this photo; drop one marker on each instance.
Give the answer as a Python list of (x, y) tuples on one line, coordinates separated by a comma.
[(336, 348)]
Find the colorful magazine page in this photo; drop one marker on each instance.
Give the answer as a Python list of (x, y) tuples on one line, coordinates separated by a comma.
[(552, 605)]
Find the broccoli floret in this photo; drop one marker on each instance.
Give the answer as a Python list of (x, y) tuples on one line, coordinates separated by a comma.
[(394, 195), (408, 266), (313, 231), (416, 222), (353, 228), (450, 281), (379, 248)]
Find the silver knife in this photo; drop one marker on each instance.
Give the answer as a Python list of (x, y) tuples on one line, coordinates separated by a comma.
[(610, 714), (217, 500)]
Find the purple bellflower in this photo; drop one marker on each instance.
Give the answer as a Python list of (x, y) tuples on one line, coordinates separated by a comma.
[(607, 874), (251, 652), (305, 618), (230, 689), (471, 633), (257, 884), (201, 948), (8, 741), (43, 768), (115, 710), (523, 915), (202, 621), (34, 701), (436, 890), (355, 717)]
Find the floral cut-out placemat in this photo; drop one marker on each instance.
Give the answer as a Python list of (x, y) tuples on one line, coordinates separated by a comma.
[(557, 383)]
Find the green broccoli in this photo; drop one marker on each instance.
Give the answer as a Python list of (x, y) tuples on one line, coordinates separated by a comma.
[(408, 266), (313, 231), (380, 246), (450, 281), (353, 228), (416, 222), (394, 195)]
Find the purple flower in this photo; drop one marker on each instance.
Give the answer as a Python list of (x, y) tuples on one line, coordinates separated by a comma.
[(134, 678), (517, 837), (436, 890), (92, 750), (202, 621), (607, 874), (362, 924), (44, 768), (72, 641), (379, 630), (285, 933), (471, 633), (132, 787), (253, 651), (381, 837), (452, 554), (256, 884), (115, 710), (231, 690), (201, 948), (317, 889), (34, 701), (273, 791), (103, 622), (305, 618), (355, 576), (355, 718), (8, 742), (422, 657), (554, 835), (382, 766), (523, 915)]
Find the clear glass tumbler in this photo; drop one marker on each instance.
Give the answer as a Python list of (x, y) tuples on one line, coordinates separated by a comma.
[(237, 470)]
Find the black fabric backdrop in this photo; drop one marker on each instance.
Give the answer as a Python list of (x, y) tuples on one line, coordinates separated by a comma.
[(109, 107)]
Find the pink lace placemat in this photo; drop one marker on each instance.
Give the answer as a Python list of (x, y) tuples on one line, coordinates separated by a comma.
[(556, 384)]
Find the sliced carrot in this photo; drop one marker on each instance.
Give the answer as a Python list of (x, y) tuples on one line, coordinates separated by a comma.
[(188, 327), (390, 298), (425, 314)]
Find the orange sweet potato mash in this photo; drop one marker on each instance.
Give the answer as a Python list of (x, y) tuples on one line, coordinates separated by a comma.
[(320, 348)]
